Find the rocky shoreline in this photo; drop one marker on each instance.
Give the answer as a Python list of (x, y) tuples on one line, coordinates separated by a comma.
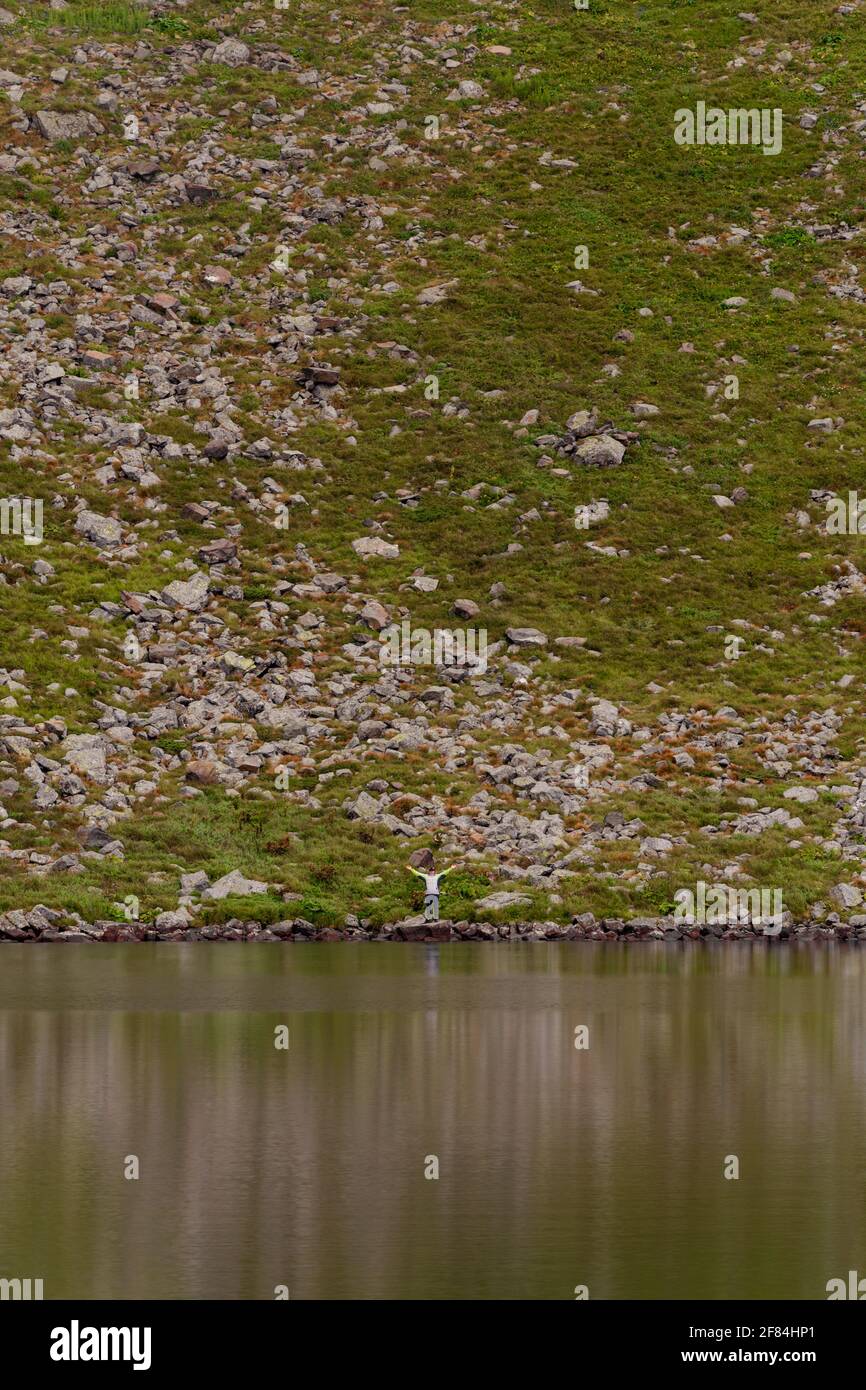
[(44, 924)]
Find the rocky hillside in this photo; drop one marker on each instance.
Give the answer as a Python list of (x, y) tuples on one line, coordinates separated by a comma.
[(407, 442)]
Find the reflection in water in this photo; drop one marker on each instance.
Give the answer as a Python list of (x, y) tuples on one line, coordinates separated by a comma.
[(557, 1167)]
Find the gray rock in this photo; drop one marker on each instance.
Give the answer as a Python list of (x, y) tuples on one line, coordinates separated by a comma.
[(422, 859), (465, 608), (590, 513), (93, 837), (85, 754), (233, 884), (467, 90), (67, 125), (66, 864), (195, 882), (173, 920), (656, 846), (496, 902), (364, 807), (802, 794), (435, 294), (846, 895), (604, 718), (231, 52), (600, 451), (526, 637), (374, 547), (15, 285), (190, 594), (102, 531), (374, 615)]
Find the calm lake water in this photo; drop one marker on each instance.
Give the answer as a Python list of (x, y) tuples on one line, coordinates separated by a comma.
[(557, 1167)]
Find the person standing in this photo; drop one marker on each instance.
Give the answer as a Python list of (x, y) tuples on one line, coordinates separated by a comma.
[(431, 890)]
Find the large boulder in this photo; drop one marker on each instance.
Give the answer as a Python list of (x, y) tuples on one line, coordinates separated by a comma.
[(412, 930), (102, 531), (497, 902), (364, 807), (231, 52), (600, 451), (526, 637), (846, 895), (190, 594), (67, 125), (422, 859), (374, 615), (373, 547), (85, 754), (234, 884)]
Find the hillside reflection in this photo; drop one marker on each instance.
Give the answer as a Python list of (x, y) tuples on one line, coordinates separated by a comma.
[(558, 1167)]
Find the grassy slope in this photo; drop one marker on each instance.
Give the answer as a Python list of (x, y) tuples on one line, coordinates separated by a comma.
[(599, 88)]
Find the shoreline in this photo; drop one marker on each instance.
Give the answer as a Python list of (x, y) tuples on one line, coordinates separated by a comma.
[(299, 930)]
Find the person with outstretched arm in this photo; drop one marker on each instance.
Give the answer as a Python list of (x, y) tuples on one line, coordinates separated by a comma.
[(431, 890)]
